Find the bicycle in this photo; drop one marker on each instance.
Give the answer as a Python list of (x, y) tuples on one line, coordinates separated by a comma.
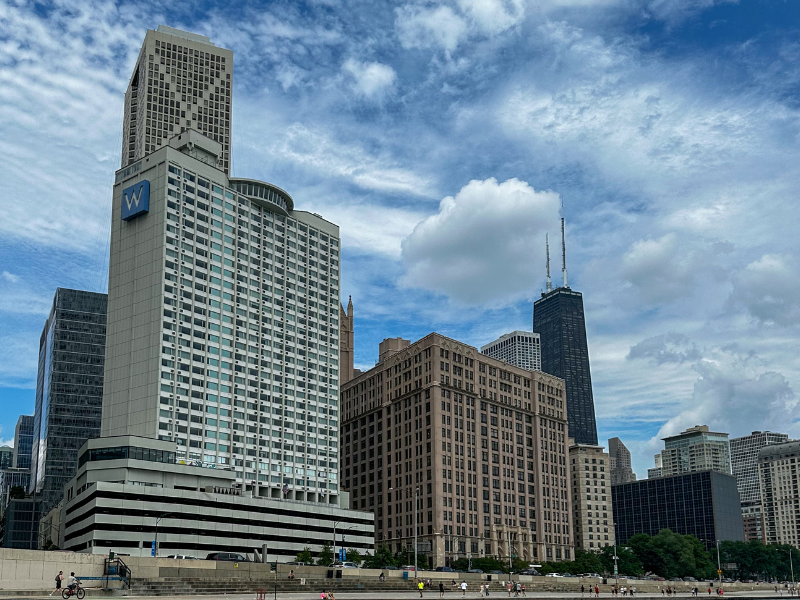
[(78, 592)]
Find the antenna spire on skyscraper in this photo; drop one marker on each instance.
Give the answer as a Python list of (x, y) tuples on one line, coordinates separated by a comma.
[(563, 254), (547, 245)]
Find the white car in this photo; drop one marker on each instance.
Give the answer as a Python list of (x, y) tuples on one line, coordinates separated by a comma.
[(554, 575), (344, 565)]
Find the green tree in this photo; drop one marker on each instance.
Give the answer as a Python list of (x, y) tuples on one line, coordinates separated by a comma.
[(325, 556), (382, 557), (354, 556), (586, 561), (305, 556), (627, 561)]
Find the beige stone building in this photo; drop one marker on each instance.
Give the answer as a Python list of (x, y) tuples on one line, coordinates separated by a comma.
[(779, 477), (478, 445), (593, 519), (346, 343)]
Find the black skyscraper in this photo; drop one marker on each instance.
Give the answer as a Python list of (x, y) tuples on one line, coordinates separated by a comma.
[(558, 318), (69, 391)]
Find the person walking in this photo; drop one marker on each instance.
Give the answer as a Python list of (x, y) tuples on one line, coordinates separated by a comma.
[(59, 579), (508, 587), (523, 591), (596, 591), (582, 590), (463, 588), (421, 586), (441, 589)]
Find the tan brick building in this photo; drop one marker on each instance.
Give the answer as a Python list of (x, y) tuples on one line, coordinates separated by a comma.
[(479, 443), (591, 496)]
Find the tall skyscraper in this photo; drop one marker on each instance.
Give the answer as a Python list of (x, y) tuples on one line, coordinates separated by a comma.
[(696, 449), (478, 445), (779, 478), (181, 81), (519, 348), (744, 463), (620, 458), (559, 320), (23, 442), (223, 304), (346, 343), (69, 390)]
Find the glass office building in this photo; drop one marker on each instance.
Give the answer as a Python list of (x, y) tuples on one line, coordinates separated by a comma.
[(69, 390), (23, 442), (704, 504), (559, 320)]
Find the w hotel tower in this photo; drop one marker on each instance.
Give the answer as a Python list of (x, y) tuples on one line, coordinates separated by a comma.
[(223, 304)]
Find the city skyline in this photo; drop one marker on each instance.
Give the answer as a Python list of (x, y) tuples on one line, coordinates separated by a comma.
[(691, 306)]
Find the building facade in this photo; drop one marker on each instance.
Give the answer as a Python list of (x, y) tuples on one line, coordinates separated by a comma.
[(223, 323), (23, 442), (704, 504), (620, 460), (558, 318), (6, 457), (476, 448), (780, 502), (69, 390), (128, 491), (696, 449), (593, 518), (656, 470), (744, 464), (346, 343), (19, 527), (181, 81), (522, 349)]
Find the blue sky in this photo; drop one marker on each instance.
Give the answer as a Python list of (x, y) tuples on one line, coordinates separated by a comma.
[(443, 137)]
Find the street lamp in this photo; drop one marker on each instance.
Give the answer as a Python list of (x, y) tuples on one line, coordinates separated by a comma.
[(616, 558), (719, 566), (791, 565), (155, 542), (416, 508)]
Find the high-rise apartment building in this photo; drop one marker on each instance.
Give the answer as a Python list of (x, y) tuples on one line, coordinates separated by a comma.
[(519, 348), (223, 322), (181, 81), (23, 442), (620, 459), (592, 514), (779, 477), (744, 463), (69, 390), (656, 470), (696, 449), (558, 318), (704, 504), (470, 449)]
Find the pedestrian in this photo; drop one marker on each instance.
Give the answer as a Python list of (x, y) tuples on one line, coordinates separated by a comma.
[(663, 591), (709, 590), (523, 591), (421, 586), (596, 591), (463, 588), (508, 586), (59, 579), (441, 589), (481, 590), (582, 590)]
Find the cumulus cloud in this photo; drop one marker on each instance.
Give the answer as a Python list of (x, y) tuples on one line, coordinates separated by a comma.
[(666, 348), (735, 393), (371, 80), (657, 268), (493, 16), (422, 27), (769, 289), (485, 244)]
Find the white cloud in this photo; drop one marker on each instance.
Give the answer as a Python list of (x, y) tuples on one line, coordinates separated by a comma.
[(372, 80), (658, 269), (493, 16), (419, 27), (769, 289), (10, 277), (666, 348), (486, 243)]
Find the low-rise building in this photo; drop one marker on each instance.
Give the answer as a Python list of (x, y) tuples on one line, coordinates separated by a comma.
[(592, 515), (129, 491), (704, 504)]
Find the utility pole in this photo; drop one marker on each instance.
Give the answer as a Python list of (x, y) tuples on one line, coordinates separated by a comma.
[(335, 523), (719, 565), (616, 558)]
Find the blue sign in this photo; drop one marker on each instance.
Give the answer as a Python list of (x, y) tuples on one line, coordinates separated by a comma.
[(342, 555), (153, 549), (135, 200)]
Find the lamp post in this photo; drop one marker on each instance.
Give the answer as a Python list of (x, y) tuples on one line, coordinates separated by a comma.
[(416, 507), (335, 523), (616, 558), (791, 567), (155, 542), (719, 566)]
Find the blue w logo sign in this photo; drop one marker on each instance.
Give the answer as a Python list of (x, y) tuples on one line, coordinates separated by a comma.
[(135, 200)]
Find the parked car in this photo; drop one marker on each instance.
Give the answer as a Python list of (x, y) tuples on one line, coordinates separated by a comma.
[(475, 571), (496, 572), (675, 579), (445, 569), (530, 572), (689, 579), (554, 575), (408, 568), (389, 568), (227, 557), (343, 565), (182, 557)]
